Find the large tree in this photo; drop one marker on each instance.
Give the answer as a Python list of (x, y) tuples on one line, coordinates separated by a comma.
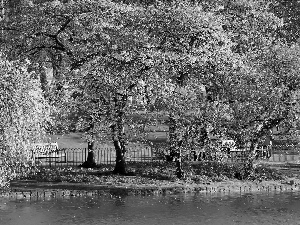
[(252, 81), (184, 41), (259, 93)]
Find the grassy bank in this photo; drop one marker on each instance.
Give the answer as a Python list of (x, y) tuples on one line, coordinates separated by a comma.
[(156, 171), (194, 172), (153, 178), (158, 177)]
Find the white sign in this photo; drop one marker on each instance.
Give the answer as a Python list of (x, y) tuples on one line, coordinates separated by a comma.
[(45, 148)]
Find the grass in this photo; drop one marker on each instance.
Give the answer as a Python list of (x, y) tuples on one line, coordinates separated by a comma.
[(151, 173), (158, 178)]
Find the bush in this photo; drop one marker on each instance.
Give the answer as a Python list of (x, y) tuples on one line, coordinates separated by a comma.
[(266, 173), (234, 171)]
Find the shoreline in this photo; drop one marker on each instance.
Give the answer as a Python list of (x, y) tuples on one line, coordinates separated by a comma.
[(157, 181), (225, 187)]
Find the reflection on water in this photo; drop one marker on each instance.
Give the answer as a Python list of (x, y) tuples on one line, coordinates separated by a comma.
[(262, 208)]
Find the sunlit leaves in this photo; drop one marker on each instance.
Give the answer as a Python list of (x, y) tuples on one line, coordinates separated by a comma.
[(24, 114)]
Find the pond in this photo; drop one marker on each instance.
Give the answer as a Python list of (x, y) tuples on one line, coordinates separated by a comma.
[(259, 208)]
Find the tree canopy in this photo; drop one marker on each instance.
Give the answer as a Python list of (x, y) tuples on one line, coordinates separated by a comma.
[(221, 60)]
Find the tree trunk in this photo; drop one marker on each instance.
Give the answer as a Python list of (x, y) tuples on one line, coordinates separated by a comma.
[(120, 167), (90, 161), (264, 129), (249, 168), (178, 160), (118, 136), (44, 82), (175, 145), (173, 139)]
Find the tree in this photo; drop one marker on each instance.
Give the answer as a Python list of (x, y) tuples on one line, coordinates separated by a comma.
[(24, 116), (109, 85), (253, 95), (70, 35), (109, 51), (258, 91), (270, 77), (186, 41)]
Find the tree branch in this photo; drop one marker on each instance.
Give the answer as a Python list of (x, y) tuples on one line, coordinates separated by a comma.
[(78, 63), (64, 26)]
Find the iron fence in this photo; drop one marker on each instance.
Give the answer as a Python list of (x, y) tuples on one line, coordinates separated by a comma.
[(266, 153), (75, 156), (233, 156)]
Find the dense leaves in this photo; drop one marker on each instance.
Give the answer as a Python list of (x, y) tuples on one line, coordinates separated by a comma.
[(23, 116)]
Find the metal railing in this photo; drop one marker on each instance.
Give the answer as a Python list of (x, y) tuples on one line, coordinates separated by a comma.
[(75, 156), (263, 153)]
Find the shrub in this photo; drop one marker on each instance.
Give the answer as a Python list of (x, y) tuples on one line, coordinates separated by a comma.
[(234, 171)]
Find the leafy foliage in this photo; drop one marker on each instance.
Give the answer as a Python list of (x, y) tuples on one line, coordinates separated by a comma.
[(24, 115)]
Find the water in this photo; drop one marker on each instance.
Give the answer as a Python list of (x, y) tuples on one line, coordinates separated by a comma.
[(262, 208)]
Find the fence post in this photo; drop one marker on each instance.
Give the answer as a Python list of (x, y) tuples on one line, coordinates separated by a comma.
[(49, 160), (110, 161), (147, 151), (100, 155), (55, 159), (33, 158), (107, 154), (66, 155)]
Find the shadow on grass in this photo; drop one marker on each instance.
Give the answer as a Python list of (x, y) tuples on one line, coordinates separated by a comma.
[(199, 172), (154, 170)]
